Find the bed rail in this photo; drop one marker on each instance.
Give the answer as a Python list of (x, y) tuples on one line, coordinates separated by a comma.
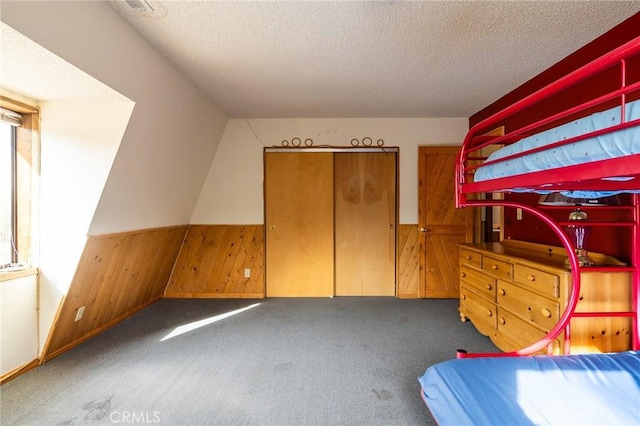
[(561, 179)]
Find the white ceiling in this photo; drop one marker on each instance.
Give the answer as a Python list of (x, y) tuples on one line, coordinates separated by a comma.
[(29, 70), (259, 59)]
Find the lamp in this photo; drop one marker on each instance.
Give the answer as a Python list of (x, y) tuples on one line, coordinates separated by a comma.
[(578, 233)]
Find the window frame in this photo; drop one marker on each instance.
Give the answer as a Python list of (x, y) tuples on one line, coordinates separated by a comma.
[(25, 148)]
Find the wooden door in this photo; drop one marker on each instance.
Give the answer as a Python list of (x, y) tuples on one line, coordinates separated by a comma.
[(365, 223), (442, 226), (299, 224)]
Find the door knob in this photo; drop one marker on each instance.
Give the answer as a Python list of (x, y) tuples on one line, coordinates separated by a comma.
[(425, 230)]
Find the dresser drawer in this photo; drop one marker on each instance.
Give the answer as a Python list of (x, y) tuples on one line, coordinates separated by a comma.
[(471, 258), (497, 268), (481, 283), (520, 332), (528, 306), (481, 311), (541, 282), (503, 341)]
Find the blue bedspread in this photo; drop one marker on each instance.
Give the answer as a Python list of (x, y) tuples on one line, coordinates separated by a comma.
[(611, 145), (593, 389)]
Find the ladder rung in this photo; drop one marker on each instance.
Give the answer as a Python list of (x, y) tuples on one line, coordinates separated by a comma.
[(596, 223), (607, 268), (603, 314)]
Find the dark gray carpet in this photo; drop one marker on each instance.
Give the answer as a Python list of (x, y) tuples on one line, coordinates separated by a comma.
[(339, 361)]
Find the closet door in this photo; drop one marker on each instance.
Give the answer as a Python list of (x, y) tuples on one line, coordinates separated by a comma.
[(299, 224), (365, 223)]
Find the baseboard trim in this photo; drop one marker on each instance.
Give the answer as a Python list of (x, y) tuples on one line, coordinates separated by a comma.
[(7, 377), (213, 296), (408, 296), (99, 330)]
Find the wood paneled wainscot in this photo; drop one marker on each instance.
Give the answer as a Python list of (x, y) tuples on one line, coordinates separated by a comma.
[(408, 262), (515, 292), (219, 261), (117, 276)]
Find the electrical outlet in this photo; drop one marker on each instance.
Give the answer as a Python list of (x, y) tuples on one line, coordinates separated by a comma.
[(247, 273), (79, 313), (519, 214)]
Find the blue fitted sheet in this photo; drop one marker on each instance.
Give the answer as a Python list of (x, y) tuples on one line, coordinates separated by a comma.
[(611, 145), (592, 389)]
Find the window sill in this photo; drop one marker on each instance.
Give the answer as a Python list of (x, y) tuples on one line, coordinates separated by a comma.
[(12, 275)]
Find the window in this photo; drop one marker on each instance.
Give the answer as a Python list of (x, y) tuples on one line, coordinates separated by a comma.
[(8, 228), (18, 177)]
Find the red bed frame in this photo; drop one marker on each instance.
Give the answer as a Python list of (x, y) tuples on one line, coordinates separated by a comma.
[(585, 177)]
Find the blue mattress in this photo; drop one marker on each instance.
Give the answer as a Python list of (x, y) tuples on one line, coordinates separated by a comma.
[(593, 389), (612, 145)]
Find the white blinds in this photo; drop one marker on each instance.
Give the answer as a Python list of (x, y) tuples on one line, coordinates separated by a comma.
[(10, 117)]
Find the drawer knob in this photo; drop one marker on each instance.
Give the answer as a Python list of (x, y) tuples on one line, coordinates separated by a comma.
[(545, 313), (464, 297), (490, 313), (502, 321), (494, 267), (462, 274), (531, 277), (488, 286), (468, 257), (502, 292)]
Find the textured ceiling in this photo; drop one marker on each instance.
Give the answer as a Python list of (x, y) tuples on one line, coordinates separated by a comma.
[(368, 58), (27, 69)]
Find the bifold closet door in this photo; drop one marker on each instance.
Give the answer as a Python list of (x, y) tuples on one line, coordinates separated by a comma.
[(365, 223), (299, 224)]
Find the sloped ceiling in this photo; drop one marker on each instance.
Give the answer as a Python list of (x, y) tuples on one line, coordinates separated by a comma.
[(28, 69), (264, 59)]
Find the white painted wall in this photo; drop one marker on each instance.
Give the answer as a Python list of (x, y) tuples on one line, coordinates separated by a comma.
[(173, 133), (79, 141), (233, 191), (18, 322)]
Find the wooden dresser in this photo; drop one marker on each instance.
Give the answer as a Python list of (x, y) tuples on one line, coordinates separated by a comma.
[(515, 292)]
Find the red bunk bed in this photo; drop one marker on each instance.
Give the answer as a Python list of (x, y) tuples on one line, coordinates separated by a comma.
[(609, 175), (598, 142)]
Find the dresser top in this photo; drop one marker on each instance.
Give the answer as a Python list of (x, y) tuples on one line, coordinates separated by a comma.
[(552, 256)]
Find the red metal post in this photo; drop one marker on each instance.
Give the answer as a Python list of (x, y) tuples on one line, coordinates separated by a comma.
[(635, 261)]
